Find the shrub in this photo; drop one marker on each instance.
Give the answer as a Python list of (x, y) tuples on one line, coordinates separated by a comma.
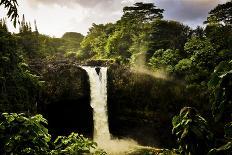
[(22, 135), (192, 132), (73, 144)]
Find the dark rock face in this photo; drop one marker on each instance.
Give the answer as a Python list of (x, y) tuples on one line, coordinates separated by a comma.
[(67, 97), (99, 62), (98, 70)]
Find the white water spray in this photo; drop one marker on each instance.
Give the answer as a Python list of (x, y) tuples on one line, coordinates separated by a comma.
[(98, 92)]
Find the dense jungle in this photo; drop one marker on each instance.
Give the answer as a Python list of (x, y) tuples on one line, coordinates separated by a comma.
[(169, 86)]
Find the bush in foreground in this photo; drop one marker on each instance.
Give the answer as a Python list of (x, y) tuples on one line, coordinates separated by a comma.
[(28, 135)]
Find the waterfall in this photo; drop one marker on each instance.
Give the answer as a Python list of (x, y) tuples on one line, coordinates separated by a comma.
[(98, 93), (101, 135)]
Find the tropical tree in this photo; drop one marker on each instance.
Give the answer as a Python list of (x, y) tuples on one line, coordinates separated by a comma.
[(133, 30), (168, 35), (141, 13), (118, 44), (219, 30), (201, 52), (93, 45), (221, 38), (19, 87), (11, 6), (221, 14)]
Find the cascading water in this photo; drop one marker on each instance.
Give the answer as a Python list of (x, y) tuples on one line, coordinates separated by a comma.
[(98, 90)]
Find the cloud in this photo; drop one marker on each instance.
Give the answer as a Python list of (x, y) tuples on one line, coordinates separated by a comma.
[(54, 17), (105, 5), (70, 3), (188, 11), (181, 10)]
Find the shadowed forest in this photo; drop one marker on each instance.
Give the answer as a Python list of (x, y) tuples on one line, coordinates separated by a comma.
[(169, 86)]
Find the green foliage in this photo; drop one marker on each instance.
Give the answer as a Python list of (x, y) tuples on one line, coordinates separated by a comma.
[(219, 30), (140, 41), (19, 86), (192, 132), (11, 6), (220, 37), (73, 144), (94, 43), (35, 46), (198, 32), (130, 35), (166, 59), (199, 62), (73, 36), (133, 30), (72, 41), (28, 135), (184, 66), (221, 14), (201, 51), (141, 12), (141, 38), (22, 135), (50, 48), (194, 65), (221, 86), (168, 35), (30, 44), (118, 44)]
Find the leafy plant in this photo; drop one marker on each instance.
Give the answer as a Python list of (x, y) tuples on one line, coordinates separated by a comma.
[(22, 135), (165, 59), (28, 135), (221, 86), (73, 144), (11, 6), (221, 14), (192, 132)]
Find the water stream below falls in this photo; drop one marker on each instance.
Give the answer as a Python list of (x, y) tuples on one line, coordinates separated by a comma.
[(98, 93)]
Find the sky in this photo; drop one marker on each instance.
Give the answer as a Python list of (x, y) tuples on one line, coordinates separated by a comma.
[(55, 17)]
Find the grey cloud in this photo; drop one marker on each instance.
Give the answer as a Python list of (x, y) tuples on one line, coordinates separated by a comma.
[(187, 10)]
